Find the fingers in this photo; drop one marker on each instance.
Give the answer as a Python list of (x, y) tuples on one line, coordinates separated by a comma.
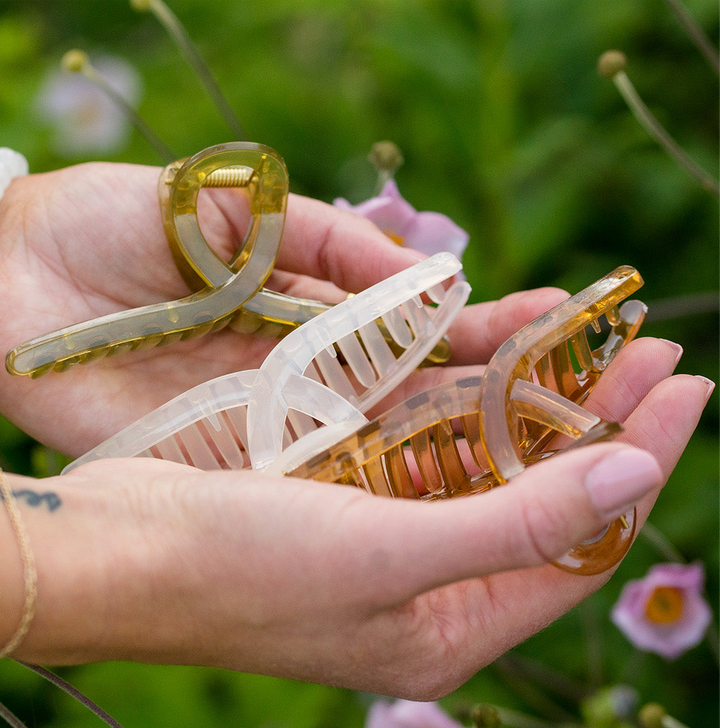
[(319, 241), (524, 601), (658, 412), (327, 243), (479, 330), (636, 369), (301, 286), (541, 514), (552, 505), (664, 421)]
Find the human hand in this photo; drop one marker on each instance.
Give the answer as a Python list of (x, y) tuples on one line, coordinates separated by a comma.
[(326, 583), (88, 240)]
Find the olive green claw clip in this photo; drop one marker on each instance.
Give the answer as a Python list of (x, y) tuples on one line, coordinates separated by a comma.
[(225, 292)]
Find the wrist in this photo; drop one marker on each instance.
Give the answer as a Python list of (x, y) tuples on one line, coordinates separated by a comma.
[(101, 557), (18, 576), (59, 518)]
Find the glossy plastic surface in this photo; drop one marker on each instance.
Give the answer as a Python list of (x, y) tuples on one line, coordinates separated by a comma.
[(541, 350), (530, 392), (209, 309), (351, 329), (304, 377), (228, 293), (425, 421)]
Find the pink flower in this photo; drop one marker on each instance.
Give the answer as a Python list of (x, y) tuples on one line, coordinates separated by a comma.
[(427, 232), (408, 714), (665, 612)]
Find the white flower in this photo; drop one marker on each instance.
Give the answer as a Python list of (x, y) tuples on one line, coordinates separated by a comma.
[(12, 164), (84, 119)]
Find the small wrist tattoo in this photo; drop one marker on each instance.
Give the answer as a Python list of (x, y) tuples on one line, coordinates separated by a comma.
[(35, 500)]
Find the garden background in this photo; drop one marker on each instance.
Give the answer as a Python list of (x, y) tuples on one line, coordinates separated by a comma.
[(506, 127)]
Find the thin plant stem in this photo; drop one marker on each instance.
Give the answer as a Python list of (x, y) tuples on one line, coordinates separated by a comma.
[(593, 643), (633, 667), (696, 34), (72, 691), (10, 718), (713, 638), (93, 75), (530, 693), (653, 127), (184, 43), (661, 543), (384, 176), (557, 682)]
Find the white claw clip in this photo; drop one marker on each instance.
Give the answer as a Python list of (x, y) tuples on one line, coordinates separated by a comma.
[(254, 416)]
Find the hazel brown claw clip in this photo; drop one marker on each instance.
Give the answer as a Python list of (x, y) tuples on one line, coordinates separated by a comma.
[(531, 391)]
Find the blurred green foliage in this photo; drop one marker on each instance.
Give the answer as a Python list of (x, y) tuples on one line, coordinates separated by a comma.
[(506, 127)]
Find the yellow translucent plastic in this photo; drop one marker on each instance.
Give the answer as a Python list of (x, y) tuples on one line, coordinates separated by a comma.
[(207, 310), (503, 421), (228, 293), (542, 349)]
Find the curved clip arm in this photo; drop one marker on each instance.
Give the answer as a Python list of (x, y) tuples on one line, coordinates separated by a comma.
[(228, 286), (226, 292), (303, 380), (530, 392)]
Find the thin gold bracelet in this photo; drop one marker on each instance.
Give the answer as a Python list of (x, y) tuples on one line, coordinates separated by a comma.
[(29, 571)]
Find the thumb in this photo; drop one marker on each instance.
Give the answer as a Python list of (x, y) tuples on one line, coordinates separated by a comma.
[(537, 517)]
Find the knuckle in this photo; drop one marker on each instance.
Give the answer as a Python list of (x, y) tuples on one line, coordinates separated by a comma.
[(545, 530)]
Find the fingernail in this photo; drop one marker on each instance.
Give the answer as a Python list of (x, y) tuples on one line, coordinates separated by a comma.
[(708, 383), (675, 347), (620, 480), (416, 254)]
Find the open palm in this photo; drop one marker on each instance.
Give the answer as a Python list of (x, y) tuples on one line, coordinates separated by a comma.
[(273, 575), (326, 583)]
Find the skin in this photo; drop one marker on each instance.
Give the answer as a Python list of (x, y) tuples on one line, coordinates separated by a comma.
[(152, 561)]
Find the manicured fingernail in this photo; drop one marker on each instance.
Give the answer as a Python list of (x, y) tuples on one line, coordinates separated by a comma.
[(708, 383), (416, 254), (620, 480), (675, 347)]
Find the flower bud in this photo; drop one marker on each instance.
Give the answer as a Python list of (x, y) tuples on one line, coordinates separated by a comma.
[(610, 705), (386, 156), (486, 716), (651, 715), (611, 63), (75, 61)]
